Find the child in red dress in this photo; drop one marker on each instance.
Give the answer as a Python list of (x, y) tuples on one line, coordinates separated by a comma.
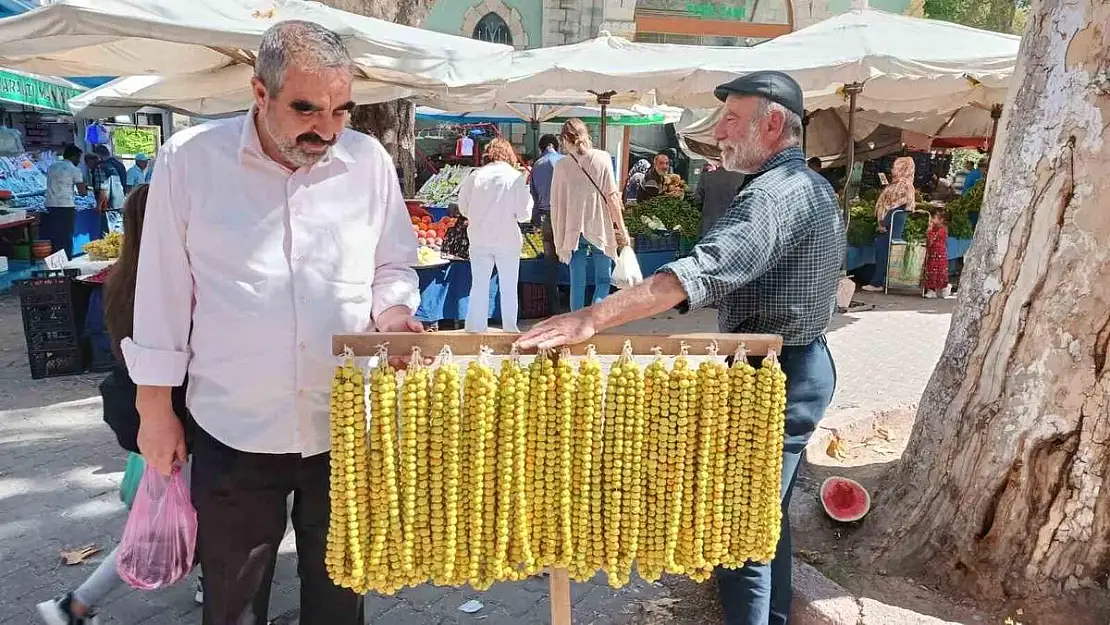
[(935, 279)]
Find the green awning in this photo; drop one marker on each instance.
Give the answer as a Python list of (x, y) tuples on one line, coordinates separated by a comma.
[(30, 91)]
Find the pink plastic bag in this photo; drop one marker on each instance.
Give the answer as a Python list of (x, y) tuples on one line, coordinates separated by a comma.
[(161, 533)]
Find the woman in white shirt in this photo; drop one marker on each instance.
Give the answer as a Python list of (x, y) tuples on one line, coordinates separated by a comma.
[(495, 199)]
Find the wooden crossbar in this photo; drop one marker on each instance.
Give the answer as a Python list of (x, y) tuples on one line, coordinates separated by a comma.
[(464, 344)]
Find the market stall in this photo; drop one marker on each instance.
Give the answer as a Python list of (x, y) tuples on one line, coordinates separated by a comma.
[(176, 46)]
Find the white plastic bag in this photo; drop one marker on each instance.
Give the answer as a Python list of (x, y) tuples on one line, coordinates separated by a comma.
[(627, 273)]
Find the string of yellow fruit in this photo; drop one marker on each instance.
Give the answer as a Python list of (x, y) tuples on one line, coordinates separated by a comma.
[(475, 476)]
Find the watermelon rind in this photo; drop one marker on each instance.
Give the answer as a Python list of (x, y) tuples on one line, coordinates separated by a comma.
[(844, 500)]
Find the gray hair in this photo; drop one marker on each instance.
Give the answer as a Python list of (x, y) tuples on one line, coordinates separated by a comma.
[(305, 45), (792, 122)]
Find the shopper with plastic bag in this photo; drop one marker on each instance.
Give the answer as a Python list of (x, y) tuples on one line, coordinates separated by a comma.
[(78, 607), (586, 213)]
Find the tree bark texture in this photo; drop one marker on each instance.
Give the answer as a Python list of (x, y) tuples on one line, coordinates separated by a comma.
[(393, 123), (1005, 485)]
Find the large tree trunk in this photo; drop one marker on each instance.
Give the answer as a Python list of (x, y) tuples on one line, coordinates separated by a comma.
[(1005, 485), (393, 123)]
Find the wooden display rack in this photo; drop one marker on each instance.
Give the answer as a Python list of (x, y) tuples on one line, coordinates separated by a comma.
[(469, 344)]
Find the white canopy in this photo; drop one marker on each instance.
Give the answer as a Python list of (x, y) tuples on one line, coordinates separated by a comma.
[(906, 64), (567, 74), (176, 37), (634, 116)]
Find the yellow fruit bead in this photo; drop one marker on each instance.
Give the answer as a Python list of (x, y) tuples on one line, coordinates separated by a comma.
[(437, 483), (743, 416), (383, 442), (552, 490), (632, 468), (650, 558), (595, 556), (612, 466), (452, 440), (566, 380), (479, 418), (419, 379), (709, 505), (506, 453), (520, 538), (588, 403), (684, 387), (410, 438)]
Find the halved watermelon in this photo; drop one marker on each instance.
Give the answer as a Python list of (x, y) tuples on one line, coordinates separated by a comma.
[(844, 500)]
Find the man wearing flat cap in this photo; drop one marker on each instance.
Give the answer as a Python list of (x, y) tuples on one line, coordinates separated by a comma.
[(770, 264)]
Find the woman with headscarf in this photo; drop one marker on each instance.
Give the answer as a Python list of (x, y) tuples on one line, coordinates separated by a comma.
[(895, 202), (636, 179)]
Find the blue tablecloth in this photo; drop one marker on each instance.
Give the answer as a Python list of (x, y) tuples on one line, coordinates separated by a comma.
[(445, 293), (860, 256), (534, 269)]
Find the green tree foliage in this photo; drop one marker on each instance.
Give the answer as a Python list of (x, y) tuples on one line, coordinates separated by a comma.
[(1004, 16)]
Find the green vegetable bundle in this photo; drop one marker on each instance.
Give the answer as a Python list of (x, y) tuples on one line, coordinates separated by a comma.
[(677, 214)]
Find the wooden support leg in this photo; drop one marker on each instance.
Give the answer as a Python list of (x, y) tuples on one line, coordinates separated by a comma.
[(560, 597)]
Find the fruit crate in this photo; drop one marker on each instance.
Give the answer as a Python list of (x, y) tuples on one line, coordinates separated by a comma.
[(655, 243), (533, 301), (48, 364), (51, 312)]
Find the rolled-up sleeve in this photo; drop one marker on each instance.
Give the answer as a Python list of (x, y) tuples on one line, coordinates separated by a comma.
[(740, 247), (157, 354), (395, 281)]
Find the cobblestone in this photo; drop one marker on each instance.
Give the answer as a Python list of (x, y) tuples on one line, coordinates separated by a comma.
[(60, 468)]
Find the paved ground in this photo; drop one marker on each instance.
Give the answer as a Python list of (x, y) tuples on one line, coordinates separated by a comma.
[(60, 469)]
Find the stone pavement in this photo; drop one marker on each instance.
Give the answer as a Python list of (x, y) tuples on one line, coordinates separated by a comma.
[(60, 470)]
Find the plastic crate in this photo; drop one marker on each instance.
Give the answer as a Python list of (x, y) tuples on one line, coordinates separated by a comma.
[(533, 301), (655, 243), (52, 341), (49, 364)]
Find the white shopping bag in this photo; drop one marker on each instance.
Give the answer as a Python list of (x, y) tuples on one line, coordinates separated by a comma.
[(627, 271)]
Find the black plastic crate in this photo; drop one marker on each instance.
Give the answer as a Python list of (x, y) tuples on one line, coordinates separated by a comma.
[(533, 301), (53, 341), (50, 364), (655, 243), (49, 317)]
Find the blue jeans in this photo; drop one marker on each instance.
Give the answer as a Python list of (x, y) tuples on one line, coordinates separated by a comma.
[(603, 270), (760, 594), (895, 223)]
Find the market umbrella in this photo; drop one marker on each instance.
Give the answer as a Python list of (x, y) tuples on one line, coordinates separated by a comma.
[(226, 91), (905, 64), (176, 37)]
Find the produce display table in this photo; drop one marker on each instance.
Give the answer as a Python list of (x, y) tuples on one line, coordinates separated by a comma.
[(860, 256), (445, 292)]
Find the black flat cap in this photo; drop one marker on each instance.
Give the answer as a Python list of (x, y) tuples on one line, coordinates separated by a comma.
[(774, 86)]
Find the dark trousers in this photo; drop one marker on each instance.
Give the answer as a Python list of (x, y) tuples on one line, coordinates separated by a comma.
[(240, 499), (550, 266), (58, 223), (760, 594)]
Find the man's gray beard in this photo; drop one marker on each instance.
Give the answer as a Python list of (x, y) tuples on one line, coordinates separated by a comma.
[(742, 159), (291, 151)]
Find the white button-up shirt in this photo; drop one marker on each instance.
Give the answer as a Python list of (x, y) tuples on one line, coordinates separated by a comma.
[(247, 270), (495, 198)]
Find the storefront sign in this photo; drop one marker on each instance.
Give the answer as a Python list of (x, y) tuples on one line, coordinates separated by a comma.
[(20, 89), (717, 10)]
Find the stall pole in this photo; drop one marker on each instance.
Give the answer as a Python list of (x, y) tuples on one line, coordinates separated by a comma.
[(603, 100), (852, 90), (626, 151), (996, 114), (805, 130)]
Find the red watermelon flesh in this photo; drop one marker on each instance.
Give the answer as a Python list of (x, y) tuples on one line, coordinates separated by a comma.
[(845, 500)]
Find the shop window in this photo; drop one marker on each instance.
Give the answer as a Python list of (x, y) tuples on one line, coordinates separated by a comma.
[(492, 28)]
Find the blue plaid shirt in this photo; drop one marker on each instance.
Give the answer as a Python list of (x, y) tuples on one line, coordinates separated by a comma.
[(771, 263)]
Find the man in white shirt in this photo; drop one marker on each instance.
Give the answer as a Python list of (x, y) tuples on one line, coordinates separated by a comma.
[(242, 286), (60, 219)]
